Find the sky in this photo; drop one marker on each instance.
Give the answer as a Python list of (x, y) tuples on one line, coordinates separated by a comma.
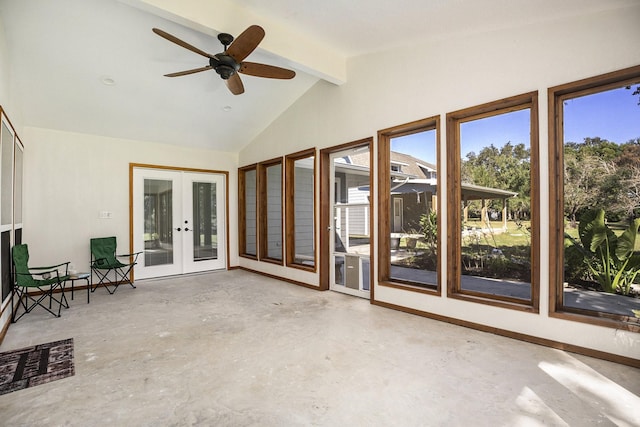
[(420, 145), (514, 127), (613, 115)]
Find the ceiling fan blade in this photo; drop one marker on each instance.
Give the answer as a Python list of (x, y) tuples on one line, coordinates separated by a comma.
[(179, 42), (264, 70), (245, 43), (235, 84), (184, 73)]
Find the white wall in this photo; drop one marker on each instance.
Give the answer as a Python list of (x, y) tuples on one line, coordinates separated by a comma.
[(418, 81), (71, 177), (12, 110), (4, 69)]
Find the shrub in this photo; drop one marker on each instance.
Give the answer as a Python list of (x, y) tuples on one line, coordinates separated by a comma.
[(612, 260)]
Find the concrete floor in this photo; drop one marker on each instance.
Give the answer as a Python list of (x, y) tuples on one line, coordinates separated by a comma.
[(238, 349)]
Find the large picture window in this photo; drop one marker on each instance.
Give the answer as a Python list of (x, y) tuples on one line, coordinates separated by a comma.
[(270, 202), (493, 216), (300, 210), (595, 199), (248, 211), (408, 198)]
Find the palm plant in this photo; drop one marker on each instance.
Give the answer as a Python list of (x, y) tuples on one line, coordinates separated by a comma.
[(429, 227), (611, 259)]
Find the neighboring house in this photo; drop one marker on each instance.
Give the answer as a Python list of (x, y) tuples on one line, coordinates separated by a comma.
[(413, 193), (352, 214)]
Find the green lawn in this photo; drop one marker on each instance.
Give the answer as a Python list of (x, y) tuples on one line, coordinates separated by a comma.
[(517, 234)]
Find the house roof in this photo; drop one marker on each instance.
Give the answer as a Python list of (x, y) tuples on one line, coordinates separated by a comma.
[(411, 166), (477, 192)]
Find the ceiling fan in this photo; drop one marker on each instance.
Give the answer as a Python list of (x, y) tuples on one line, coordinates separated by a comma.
[(231, 62)]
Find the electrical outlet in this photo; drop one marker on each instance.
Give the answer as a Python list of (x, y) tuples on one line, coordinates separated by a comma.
[(106, 215)]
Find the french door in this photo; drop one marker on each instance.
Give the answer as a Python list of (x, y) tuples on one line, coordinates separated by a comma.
[(178, 221)]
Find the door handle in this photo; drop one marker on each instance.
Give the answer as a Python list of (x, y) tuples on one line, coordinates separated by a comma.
[(186, 229)]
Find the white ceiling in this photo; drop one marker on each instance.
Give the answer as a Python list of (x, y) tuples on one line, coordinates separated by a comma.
[(61, 50)]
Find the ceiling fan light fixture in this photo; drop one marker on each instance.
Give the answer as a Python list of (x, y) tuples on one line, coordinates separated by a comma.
[(225, 71)]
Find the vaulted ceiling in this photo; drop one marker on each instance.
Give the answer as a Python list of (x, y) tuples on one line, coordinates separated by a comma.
[(95, 66)]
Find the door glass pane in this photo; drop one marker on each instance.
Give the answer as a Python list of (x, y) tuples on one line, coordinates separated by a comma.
[(250, 197), (351, 220), (205, 232), (158, 222)]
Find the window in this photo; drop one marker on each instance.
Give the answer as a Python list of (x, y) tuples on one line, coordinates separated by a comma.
[(7, 137), (595, 199), (492, 200), (270, 199), (248, 210), (11, 170), (300, 210), (408, 204)]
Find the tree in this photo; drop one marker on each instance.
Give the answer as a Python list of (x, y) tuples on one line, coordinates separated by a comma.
[(592, 177), (506, 168), (628, 164), (635, 92)]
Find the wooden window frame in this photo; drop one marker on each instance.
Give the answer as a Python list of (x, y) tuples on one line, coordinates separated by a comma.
[(242, 214), (556, 96), (454, 270), (384, 205), (290, 217), (263, 241)]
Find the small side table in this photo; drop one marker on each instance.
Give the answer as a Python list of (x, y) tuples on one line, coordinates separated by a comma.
[(80, 276)]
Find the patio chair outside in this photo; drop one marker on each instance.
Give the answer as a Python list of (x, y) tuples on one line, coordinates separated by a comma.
[(35, 286)]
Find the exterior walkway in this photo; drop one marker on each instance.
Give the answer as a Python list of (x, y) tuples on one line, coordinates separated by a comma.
[(576, 298)]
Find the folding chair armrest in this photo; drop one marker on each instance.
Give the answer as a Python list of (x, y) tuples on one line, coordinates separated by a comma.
[(51, 267), (40, 271), (134, 255), (25, 274)]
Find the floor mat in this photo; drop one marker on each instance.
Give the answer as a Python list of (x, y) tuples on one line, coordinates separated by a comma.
[(40, 364)]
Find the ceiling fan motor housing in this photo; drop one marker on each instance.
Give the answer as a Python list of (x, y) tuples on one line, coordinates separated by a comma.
[(224, 65)]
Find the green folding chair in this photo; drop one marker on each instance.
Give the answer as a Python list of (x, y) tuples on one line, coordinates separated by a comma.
[(34, 286), (104, 260)]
